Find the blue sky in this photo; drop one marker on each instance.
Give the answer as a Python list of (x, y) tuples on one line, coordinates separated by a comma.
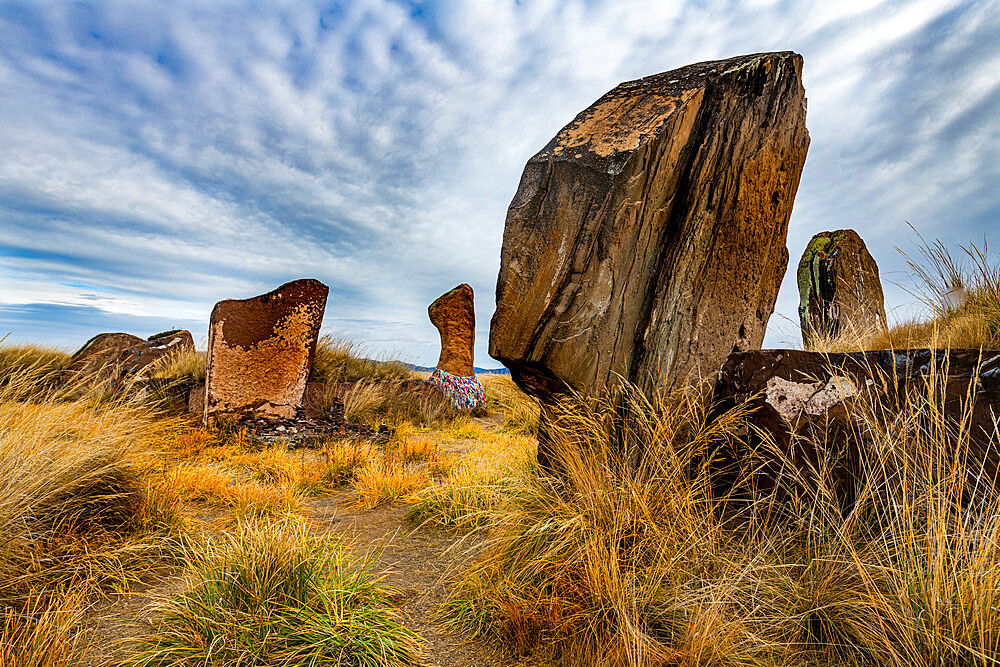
[(158, 157)]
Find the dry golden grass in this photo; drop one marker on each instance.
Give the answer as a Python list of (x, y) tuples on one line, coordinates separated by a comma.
[(518, 412), (189, 366), (42, 633), (475, 485), (973, 324), (387, 479), (618, 564), (344, 360)]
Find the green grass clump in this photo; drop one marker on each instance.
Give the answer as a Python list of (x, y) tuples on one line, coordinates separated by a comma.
[(271, 594)]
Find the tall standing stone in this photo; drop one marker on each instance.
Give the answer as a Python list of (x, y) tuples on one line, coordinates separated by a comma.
[(647, 239), (260, 350), (840, 293), (454, 315)]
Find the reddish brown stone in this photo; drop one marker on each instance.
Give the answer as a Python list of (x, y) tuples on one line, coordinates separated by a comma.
[(454, 315), (647, 239), (260, 350), (196, 399), (801, 398), (840, 294), (146, 354), (99, 358)]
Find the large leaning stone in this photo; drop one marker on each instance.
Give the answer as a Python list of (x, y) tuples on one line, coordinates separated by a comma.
[(145, 356), (840, 294), (647, 239), (801, 398), (100, 358), (260, 350)]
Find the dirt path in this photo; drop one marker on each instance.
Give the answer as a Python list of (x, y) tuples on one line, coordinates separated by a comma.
[(418, 562)]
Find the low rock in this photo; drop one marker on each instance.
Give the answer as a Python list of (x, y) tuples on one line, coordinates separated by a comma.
[(100, 358), (145, 355), (800, 398)]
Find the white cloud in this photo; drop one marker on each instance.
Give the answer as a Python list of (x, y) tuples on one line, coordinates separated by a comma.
[(184, 155)]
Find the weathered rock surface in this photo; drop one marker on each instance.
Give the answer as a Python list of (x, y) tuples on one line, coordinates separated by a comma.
[(99, 358), (647, 239), (840, 293), (454, 315), (816, 395), (144, 355), (260, 350), (196, 399)]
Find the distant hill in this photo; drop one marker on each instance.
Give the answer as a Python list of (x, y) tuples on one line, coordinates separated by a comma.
[(479, 371)]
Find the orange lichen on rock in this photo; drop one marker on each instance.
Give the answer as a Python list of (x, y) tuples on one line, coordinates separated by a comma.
[(454, 315), (260, 350)]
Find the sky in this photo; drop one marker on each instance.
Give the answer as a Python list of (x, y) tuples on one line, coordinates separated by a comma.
[(158, 157)]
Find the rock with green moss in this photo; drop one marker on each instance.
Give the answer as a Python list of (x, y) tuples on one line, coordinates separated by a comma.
[(840, 294)]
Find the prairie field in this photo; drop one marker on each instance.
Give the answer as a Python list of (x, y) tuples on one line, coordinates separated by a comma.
[(132, 535)]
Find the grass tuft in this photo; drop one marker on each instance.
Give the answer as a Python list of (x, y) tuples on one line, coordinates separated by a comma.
[(271, 594)]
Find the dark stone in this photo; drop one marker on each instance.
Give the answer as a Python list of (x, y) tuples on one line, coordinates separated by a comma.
[(840, 293), (647, 239), (801, 398)]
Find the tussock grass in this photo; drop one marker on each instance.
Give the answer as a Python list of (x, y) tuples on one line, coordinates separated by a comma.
[(269, 593), (342, 360), (962, 294), (30, 368), (477, 485), (619, 562), (73, 507), (387, 479), (42, 633)]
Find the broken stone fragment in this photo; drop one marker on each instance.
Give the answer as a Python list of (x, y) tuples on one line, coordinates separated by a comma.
[(260, 350), (803, 399), (840, 294), (147, 354), (454, 316)]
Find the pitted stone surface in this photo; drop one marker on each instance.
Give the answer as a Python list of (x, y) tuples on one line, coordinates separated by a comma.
[(99, 358), (647, 239), (260, 350), (840, 293)]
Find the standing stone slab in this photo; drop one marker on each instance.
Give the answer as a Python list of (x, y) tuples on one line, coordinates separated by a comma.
[(145, 355), (99, 358), (454, 315), (840, 293), (260, 350), (647, 239)]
